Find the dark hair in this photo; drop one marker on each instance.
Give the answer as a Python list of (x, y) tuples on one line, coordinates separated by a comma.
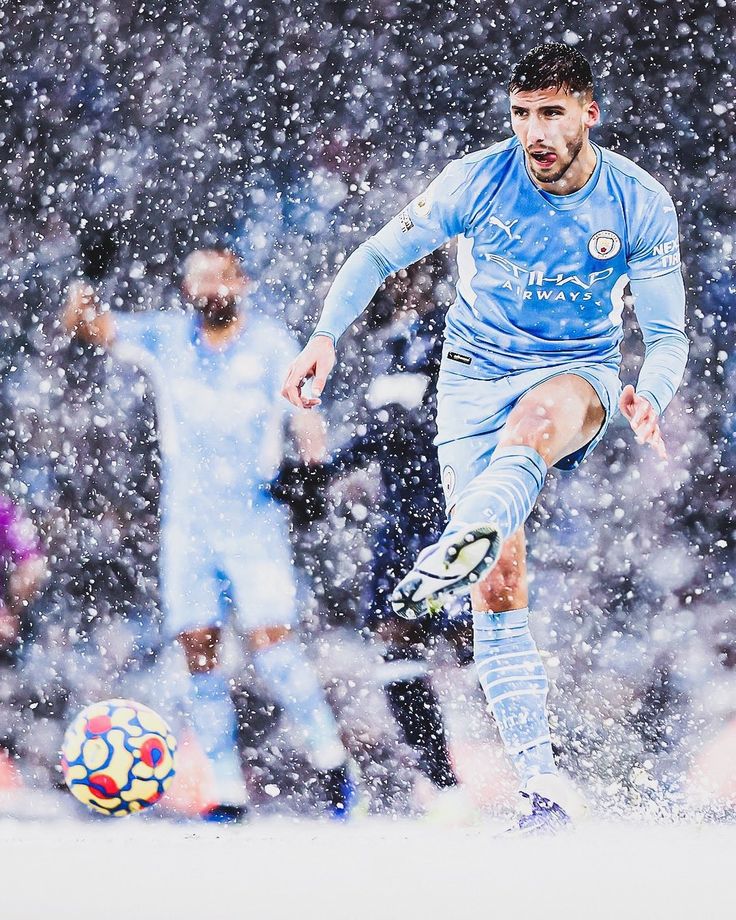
[(552, 65)]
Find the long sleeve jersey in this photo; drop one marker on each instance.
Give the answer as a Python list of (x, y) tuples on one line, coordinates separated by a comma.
[(541, 277)]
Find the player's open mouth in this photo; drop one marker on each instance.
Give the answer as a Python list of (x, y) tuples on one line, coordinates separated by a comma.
[(544, 157)]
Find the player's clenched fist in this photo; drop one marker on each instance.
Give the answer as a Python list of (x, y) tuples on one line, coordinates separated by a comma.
[(314, 362), (643, 419)]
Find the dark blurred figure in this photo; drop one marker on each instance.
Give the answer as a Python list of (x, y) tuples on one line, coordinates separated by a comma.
[(397, 436), (76, 413)]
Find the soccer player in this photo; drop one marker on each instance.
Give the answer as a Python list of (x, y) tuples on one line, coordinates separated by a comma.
[(551, 230), (224, 540), (398, 435)]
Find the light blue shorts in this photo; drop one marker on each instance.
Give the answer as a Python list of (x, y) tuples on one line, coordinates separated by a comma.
[(471, 413), (218, 564)]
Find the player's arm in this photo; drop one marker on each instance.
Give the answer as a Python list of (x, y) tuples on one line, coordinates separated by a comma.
[(83, 316), (659, 302), (429, 221)]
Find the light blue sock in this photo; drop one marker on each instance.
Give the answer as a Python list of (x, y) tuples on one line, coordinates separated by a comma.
[(515, 684), (505, 491), (291, 678), (212, 716)]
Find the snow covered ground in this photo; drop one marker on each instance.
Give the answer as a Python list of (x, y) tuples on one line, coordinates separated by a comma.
[(141, 869)]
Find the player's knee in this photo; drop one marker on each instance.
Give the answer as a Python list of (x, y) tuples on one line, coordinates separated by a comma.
[(266, 636), (532, 425), (201, 648)]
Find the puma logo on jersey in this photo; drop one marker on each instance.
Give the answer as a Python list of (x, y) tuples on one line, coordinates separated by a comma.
[(506, 227)]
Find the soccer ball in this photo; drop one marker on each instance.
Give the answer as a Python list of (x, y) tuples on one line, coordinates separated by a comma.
[(118, 757)]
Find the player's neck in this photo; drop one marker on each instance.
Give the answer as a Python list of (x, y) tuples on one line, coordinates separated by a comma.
[(576, 176), (219, 337)]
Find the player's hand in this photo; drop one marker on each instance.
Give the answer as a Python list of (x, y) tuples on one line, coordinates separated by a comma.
[(314, 363), (643, 419), (82, 317)]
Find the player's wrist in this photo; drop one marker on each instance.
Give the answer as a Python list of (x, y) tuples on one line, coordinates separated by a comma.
[(651, 399), (328, 335)]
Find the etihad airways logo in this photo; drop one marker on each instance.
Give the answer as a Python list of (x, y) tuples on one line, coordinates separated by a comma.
[(537, 284)]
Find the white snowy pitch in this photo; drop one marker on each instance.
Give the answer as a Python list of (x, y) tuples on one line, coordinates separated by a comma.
[(372, 868)]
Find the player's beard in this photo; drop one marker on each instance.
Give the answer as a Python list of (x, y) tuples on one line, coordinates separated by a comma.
[(218, 312), (573, 149)]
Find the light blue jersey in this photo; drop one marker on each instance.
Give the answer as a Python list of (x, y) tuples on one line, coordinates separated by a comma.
[(541, 277), (220, 413), (221, 429)]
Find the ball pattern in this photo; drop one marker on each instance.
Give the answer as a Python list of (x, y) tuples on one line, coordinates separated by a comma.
[(118, 757)]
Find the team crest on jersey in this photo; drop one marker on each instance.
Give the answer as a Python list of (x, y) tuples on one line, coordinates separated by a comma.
[(449, 480), (604, 245)]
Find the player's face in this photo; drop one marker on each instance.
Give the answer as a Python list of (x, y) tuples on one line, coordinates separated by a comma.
[(552, 126), (214, 282)]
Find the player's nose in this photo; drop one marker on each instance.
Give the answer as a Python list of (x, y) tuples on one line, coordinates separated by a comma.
[(535, 131)]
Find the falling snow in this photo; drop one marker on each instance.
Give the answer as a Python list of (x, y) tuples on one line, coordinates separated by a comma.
[(289, 131)]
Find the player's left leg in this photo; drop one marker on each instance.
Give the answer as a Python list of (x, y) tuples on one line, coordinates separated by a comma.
[(553, 420), (512, 674), (265, 596), (281, 662)]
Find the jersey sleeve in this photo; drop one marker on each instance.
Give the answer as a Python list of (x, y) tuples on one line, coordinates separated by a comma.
[(655, 244), (440, 213), (659, 302), (659, 294), (147, 332)]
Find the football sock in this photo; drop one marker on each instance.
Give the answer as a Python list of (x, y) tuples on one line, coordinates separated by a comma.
[(291, 678), (514, 681), (504, 492), (414, 704), (213, 718)]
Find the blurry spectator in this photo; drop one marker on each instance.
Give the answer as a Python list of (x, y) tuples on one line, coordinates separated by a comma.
[(22, 573)]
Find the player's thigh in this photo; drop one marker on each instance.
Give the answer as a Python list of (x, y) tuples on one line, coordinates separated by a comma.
[(261, 576), (505, 587), (189, 586), (558, 416)]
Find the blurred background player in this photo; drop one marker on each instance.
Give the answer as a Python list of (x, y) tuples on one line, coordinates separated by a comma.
[(22, 573), (224, 541), (397, 436)]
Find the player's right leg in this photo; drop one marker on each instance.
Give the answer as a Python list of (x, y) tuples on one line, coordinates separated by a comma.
[(556, 418), (213, 719), (261, 577), (191, 594)]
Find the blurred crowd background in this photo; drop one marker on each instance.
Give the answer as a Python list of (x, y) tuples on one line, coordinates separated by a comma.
[(289, 131)]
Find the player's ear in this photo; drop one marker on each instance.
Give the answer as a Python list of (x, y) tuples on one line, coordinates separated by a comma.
[(591, 114)]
